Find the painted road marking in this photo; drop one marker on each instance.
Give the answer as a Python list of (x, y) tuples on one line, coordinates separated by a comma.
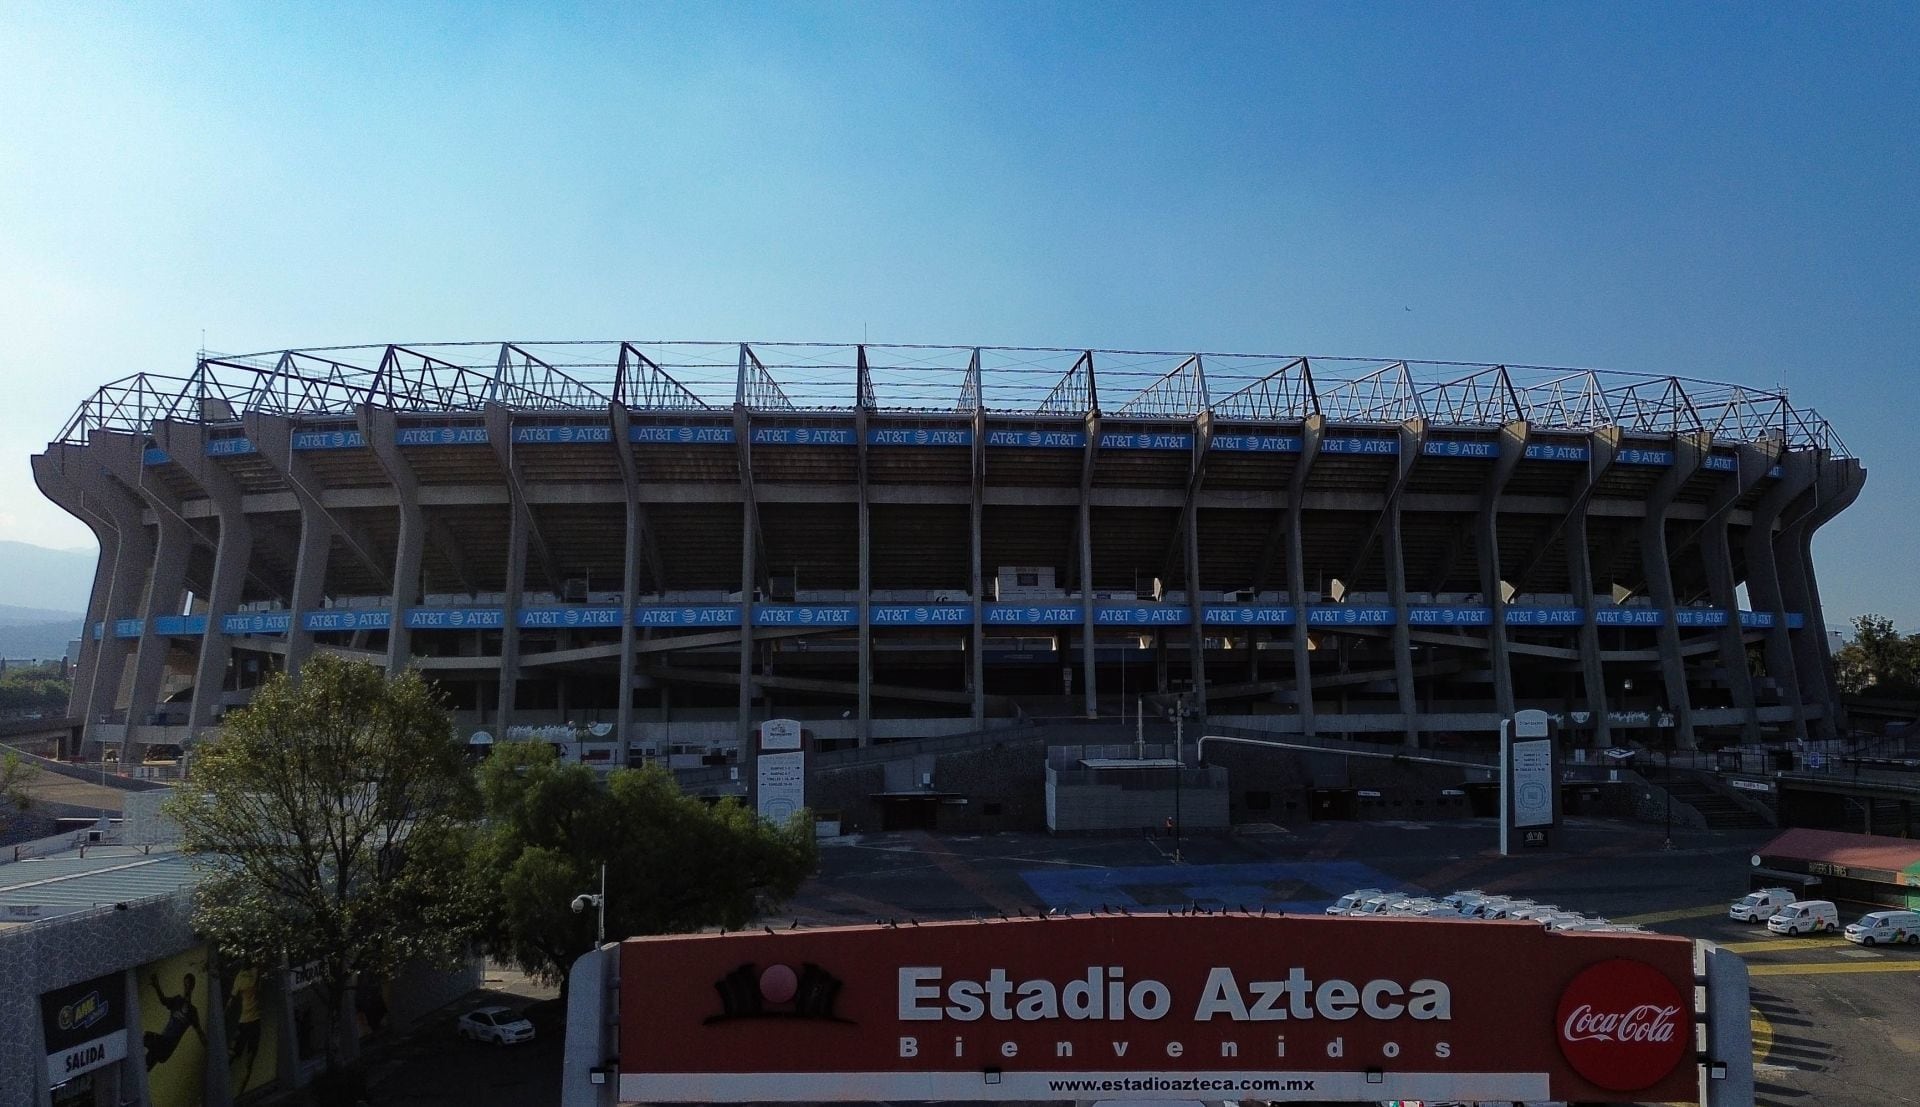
[(1673, 916), (1777, 943), (1762, 1030), (1832, 968)]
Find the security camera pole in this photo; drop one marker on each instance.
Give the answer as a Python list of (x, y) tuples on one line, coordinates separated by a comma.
[(599, 902)]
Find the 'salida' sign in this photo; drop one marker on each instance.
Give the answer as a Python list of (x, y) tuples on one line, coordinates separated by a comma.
[(1157, 1007), (85, 1026)]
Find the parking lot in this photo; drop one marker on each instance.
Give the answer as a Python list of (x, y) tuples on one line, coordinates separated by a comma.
[(1833, 1022)]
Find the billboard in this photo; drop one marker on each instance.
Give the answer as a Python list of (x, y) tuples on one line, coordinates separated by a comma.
[(173, 1020), (1158, 1007), (1533, 785), (780, 778), (85, 1026)]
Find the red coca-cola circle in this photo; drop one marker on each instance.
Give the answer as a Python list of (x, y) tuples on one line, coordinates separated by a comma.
[(1623, 1024)]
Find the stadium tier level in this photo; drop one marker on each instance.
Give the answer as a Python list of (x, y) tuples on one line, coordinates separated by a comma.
[(649, 547)]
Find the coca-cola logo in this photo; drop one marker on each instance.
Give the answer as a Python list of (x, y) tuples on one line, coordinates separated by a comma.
[(1623, 1025)]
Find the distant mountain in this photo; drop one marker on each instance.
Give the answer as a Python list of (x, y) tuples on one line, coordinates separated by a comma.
[(52, 581), (44, 641)]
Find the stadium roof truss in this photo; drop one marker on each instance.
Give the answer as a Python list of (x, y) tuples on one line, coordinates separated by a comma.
[(559, 378)]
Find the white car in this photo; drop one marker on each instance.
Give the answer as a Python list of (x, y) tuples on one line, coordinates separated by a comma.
[(1759, 906), (1533, 911), (1345, 904), (495, 1024), (1563, 920), (1504, 908), (1805, 917), (1890, 927)]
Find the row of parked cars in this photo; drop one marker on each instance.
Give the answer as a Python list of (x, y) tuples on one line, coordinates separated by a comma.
[(1468, 904), (1785, 914)]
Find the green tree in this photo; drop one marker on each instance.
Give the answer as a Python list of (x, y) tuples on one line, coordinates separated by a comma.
[(332, 818), (1879, 659), (674, 862), (17, 775)]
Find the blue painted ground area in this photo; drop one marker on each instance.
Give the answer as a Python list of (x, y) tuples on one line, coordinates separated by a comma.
[(1297, 886)]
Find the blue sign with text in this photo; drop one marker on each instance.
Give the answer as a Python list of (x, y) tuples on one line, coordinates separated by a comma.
[(1360, 446), (1448, 615), (919, 436), (657, 435), (570, 615), (1145, 441), (1722, 463), (1553, 451), (227, 447), (1019, 614), (1349, 615), (1454, 447), (180, 626), (1628, 617), (803, 436), (805, 615), (257, 622), (347, 619), (1257, 443), (154, 455), (1141, 614), (455, 618), (128, 628), (571, 434), (1636, 455), (1533, 615), (687, 615), (920, 615), (1761, 620), (441, 436), (1247, 615), (340, 438), (1038, 439), (1700, 617)]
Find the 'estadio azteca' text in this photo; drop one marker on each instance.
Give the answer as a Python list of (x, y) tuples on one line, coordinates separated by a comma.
[(1105, 994)]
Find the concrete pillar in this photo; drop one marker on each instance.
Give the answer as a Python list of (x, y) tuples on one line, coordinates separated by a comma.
[(133, 560), (1486, 538), (513, 594), (55, 485), (186, 443), (1413, 439), (978, 640), (863, 728), (1602, 447), (1089, 685), (378, 426), (743, 728), (1196, 611), (1689, 453), (1764, 584), (121, 456), (1716, 552), (1311, 431), (309, 585), (1837, 483), (633, 558)]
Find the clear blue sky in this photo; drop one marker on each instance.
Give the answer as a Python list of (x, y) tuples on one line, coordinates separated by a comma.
[(1726, 191)]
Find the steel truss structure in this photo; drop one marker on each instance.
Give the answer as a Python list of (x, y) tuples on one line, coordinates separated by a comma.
[(562, 377)]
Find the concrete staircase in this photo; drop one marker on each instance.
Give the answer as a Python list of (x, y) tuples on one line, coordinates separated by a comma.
[(1719, 811)]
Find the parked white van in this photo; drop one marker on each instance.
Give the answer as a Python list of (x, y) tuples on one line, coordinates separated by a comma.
[(1345, 904), (1761, 905), (1889, 927), (1805, 917)]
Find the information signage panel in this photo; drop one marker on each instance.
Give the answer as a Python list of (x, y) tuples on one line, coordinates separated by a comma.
[(85, 1026), (781, 785), (1162, 1006), (1533, 785)]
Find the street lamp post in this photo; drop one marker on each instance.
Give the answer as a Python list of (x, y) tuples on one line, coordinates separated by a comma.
[(1659, 711), (599, 902), (1179, 768)]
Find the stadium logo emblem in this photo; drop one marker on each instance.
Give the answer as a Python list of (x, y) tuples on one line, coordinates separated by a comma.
[(1622, 1025), (778, 992)]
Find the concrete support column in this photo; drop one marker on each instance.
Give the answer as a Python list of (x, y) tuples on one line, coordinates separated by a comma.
[(863, 727), (1190, 528), (743, 728), (632, 559), (56, 486), (378, 427), (978, 639), (186, 443), (1089, 690), (1486, 540), (1413, 440), (1764, 583), (1689, 453), (1836, 484), (514, 594), (1716, 552), (1311, 432), (309, 585), (121, 456), (1601, 449)]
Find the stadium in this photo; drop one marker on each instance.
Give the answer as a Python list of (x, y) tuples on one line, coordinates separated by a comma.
[(646, 548)]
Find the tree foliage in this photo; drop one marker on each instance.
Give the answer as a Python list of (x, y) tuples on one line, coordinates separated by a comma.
[(332, 817), (17, 775), (674, 863), (39, 688), (1879, 660)]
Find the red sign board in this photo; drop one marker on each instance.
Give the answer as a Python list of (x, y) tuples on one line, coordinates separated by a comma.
[(1157, 1007)]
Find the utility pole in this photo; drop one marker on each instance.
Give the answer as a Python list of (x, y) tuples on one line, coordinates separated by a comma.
[(1179, 769)]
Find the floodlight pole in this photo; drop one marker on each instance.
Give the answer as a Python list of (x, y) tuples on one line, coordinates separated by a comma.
[(1506, 780)]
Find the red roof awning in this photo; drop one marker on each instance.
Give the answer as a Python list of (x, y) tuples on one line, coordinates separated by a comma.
[(1854, 851)]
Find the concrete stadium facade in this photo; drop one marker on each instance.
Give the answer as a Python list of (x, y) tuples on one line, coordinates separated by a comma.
[(656, 545)]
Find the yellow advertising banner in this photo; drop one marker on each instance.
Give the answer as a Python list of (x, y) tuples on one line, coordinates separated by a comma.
[(174, 1007), (253, 1037)]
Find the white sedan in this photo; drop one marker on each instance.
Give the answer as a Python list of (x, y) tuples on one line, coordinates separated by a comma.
[(495, 1024)]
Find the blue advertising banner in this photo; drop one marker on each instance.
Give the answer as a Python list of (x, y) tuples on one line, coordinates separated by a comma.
[(657, 435), (1148, 441), (347, 619), (441, 436), (455, 618), (343, 438), (1776, 472), (1257, 443), (227, 447), (1141, 614), (1796, 620), (1553, 451), (1760, 620), (154, 455), (1019, 614), (257, 622), (1628, 617), (1348, 615), (1449, 615), (1700, 617), (919, 436), (128, 628), (1038, 439), (571, 615), (1533, 615), (687, 615), (920, 615), (803, 436), (1247, 615), (805, 615), (1722, 463), (562, 436), (1454, 447), (180, 626), (1636, 455), (1360, 445)]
